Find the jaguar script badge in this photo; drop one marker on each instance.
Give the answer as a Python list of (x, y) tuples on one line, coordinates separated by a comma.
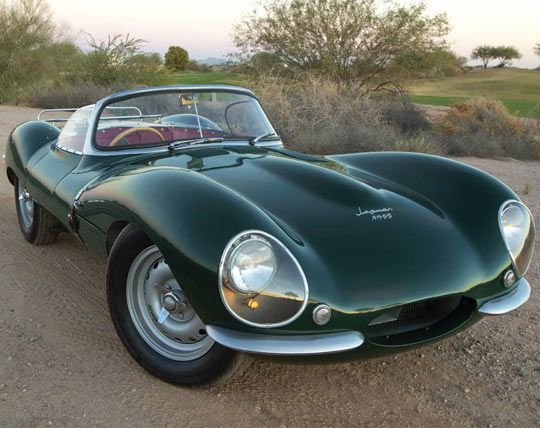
[(377, 214)]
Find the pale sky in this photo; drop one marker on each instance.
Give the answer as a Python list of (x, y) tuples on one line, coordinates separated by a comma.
[(203, 27)]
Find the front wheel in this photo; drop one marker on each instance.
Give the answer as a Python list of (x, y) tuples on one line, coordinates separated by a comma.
[(156, 322)]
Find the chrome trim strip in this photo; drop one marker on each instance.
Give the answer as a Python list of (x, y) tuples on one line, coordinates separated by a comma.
[(126, 108), (55, 120), (66, 149), (54, 110), (173, 88), (509, 301), (307, 344), (139, 116), (165, 149)]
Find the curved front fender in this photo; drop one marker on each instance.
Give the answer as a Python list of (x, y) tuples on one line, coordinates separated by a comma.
[(190, 217)]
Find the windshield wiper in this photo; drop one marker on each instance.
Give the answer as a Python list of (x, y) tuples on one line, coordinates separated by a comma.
[(186, 143), (255, 140)]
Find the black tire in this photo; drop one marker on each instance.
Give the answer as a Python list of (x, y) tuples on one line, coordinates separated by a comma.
[(43, 229), (216, 366)]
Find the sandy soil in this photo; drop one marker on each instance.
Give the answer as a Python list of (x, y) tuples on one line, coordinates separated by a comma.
[(61, 363)]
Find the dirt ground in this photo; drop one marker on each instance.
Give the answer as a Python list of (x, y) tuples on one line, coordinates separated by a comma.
[(61, 363)]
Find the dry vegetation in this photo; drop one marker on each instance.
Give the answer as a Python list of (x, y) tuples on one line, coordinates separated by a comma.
[(321, 116), (484, 127)]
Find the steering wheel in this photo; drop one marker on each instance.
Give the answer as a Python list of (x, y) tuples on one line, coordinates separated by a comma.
[(130, 131)]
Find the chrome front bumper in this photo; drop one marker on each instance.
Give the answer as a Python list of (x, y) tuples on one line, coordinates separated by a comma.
[(329, 343), (509, 301), (308, 344)]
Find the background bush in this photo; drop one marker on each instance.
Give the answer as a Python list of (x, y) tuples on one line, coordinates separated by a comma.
[(74, 95), (32, 46), (41, 65), (323, 116), (484, 127), (405, 116)]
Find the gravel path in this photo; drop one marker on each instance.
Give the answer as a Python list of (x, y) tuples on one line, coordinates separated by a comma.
[(61, 363)]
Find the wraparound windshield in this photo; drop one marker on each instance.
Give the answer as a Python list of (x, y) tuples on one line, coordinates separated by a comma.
[(74, 132), (162, 118)]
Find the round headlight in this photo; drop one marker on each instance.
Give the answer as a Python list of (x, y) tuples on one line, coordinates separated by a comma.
[(517, 229), (252, 265), (261, 283)]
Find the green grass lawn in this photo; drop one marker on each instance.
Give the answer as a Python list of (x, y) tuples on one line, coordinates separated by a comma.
[(518, 89), (210, 78)]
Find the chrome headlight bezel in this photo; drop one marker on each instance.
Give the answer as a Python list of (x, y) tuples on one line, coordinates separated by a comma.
[(280, 251), (528, 238)]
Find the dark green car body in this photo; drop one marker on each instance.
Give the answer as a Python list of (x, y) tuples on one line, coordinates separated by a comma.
[(372, 231)]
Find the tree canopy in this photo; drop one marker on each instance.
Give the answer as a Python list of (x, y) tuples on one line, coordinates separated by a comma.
[(348, 39), (505, 54), (176, 58), (29, 38), (486, 53), (483, 53)]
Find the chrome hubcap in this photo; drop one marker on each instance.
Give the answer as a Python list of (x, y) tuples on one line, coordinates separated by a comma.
[(26, 207), (161, 312)]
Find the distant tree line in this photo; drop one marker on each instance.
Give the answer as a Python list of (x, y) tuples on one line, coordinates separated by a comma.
[(504, 54), (37, 54)]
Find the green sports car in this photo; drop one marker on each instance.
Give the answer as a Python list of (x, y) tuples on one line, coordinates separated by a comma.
[(222, 243)]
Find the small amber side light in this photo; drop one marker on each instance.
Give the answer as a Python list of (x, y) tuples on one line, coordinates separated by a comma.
[(252, 304)]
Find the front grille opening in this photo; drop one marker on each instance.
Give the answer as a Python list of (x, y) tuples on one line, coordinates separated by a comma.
[(419, 321)]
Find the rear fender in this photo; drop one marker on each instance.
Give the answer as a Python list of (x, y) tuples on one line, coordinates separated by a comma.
[(23, 143)]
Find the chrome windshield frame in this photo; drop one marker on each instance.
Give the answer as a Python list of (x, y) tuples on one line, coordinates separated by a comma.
[(90, 148)]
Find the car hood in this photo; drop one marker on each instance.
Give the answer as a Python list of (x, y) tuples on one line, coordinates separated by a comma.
[(362, 237)]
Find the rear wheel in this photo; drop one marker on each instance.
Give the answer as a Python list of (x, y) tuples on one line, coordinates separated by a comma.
[(155, 320), (37, 225)]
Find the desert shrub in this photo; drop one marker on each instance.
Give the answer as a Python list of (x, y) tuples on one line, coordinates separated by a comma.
[(198, 67), (418, 145), (480, 114), (71, 95), (405, 116), (321, 116), (484, 127), (117, 60)]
